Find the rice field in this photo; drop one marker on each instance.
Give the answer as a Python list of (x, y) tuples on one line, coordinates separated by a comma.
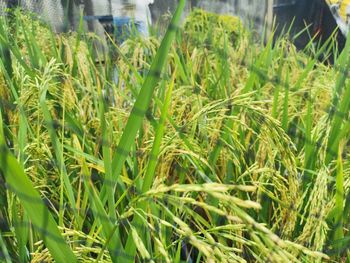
[(211, 146)]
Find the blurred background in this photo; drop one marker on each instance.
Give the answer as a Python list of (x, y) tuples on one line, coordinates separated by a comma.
[(260, 15), (64, 15)]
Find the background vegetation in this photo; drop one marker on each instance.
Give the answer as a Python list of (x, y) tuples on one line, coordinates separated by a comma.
[(211, 147)]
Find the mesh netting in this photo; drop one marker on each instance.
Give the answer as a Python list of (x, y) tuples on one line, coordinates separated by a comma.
[(2, 6), (50, 10)]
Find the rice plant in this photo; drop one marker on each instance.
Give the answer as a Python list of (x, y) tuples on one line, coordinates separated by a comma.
[(210, 146)]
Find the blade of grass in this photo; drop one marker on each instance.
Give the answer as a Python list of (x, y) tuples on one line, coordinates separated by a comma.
[(107, 156), (145, 96), (258, 70), (339, 199), (285, 118), (141, 106), (57, 149), (36, 56), (13, 48), (109, 229), (339, 117), (6, 256), (277, 91), (309, 159), (40, 216), (311, 64), (22, 231), (151, 166)]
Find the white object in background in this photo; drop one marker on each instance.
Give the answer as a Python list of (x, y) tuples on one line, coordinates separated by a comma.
[(136, 9), (343, 22)]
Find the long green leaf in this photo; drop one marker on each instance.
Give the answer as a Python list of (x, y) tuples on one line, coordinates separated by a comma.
[(110, 230), (145, 96), (38, 213), (57, 149), (152, 164), (339, 199), (340, 104)]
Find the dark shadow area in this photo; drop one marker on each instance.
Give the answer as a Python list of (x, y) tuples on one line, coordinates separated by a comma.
[(314, 14)]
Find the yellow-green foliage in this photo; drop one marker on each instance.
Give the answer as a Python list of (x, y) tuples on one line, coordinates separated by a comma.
[(26, 26), (32, 32), (3, 87), (224, 127), (209, 29)]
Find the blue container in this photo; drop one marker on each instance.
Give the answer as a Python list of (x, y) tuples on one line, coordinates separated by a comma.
[(124, 27), (121, 27)]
